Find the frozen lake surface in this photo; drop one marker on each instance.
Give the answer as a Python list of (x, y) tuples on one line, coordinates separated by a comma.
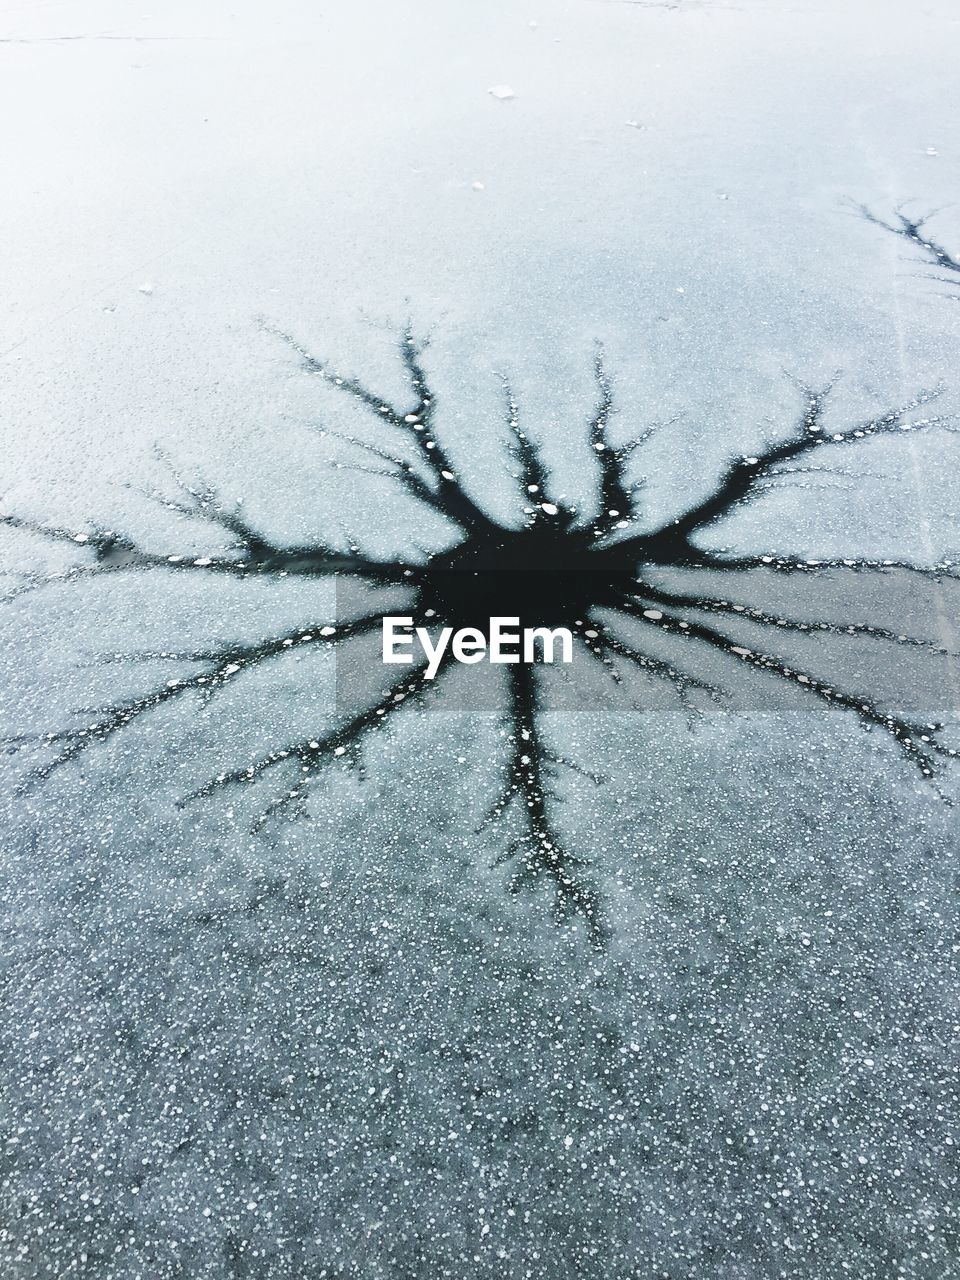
[(717, 1038)]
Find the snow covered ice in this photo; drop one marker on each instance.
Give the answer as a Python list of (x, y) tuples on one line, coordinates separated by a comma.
[(569, 990)]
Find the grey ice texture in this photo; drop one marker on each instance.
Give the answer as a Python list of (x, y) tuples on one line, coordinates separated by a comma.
[(343, 1049)]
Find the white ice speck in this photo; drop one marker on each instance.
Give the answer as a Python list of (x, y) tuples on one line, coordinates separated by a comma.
[(328, 631), (549, 508), (81, 537), (477, 186), (502, 92), (568, 1142), (653, 614), (339, 751), (146, 287)]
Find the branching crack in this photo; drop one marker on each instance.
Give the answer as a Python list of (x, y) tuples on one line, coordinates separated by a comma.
[(913, 230), (551, 567)]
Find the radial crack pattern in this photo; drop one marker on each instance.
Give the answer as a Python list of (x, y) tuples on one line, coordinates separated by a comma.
[(597, 574)]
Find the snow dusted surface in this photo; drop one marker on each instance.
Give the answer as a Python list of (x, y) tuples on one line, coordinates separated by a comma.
[(342, 1047)]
